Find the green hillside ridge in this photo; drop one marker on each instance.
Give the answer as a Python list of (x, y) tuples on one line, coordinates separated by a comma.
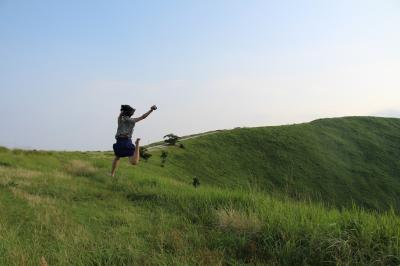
[(338, 161), (288, 195)]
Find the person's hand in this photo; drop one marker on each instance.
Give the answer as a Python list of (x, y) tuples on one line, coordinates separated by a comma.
[(153, 108)]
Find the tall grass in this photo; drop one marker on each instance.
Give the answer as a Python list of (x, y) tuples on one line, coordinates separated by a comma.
[(80, 168), (154, 220), (62, 208), (337, 161)]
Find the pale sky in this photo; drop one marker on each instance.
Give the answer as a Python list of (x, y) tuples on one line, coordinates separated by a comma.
[(67, 66)]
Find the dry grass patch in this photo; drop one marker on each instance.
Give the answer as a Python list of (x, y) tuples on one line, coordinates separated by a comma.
[(16, 172), (80, 168), (5, 181), (18, 256), (61, 175), (175, 241), (230, 219), (23, 183), (43, 261), (32, 200), (210, 257), (11, 177)]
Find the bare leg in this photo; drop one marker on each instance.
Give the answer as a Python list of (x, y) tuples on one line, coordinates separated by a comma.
[(114, 166), (134, 160)]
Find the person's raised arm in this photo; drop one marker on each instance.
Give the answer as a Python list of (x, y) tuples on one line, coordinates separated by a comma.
[(137, 119)]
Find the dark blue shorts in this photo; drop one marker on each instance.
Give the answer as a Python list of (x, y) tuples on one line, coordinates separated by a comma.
[(124, 147)]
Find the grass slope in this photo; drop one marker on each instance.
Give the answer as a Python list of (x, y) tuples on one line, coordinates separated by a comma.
[(338, 161), (63, 208)]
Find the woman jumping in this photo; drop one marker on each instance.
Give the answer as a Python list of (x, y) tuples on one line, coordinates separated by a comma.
[(124, 146)]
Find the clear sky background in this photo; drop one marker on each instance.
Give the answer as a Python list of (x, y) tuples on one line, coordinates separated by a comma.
[(66, 66)]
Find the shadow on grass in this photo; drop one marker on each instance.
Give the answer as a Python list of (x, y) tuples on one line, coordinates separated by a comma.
[(142, 197), (5, 164)]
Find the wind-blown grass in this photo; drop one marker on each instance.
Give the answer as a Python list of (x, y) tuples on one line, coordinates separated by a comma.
[(80, 168), (156, 220), (151, 215), (338, 161)]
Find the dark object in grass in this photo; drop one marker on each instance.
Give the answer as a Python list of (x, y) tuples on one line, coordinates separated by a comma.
[(144, 153), (181, 146), (164, 155), (5, 164), (196, 182)]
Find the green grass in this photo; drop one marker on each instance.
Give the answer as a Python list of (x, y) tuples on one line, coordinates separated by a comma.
[(308, 194), (337, 161)]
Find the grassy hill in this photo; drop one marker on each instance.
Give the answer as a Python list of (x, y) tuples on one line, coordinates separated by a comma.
[(338, 161), (316, 193)]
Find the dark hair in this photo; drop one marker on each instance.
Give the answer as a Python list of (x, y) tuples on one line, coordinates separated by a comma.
[(127, 110)]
